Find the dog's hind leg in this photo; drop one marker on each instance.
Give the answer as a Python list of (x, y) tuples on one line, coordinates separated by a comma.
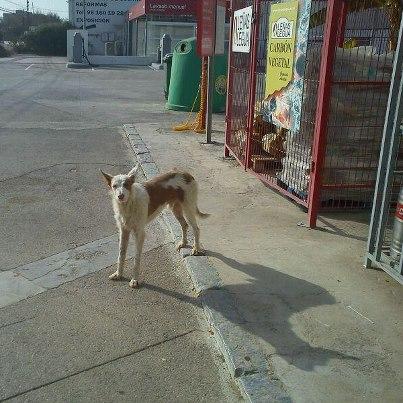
[(123, 242), (178, 213), (135, 281), (190, 214)]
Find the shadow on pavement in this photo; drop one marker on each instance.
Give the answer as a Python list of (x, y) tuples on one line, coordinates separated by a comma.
[(351, 225), (284, 296), (273, 306)]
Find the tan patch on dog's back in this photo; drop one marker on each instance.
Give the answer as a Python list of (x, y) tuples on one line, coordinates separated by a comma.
[(160, 193)]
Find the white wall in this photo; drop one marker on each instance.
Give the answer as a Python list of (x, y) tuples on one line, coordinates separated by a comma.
[(155, 30), (176, 30), (108, 16), (123, 60)]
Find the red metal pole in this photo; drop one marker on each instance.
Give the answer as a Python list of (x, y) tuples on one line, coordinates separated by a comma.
[(228, 108), (342, 24), (252, 80), (322, 107)]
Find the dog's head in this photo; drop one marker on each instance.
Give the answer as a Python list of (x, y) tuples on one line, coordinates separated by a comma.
[(121, 185)]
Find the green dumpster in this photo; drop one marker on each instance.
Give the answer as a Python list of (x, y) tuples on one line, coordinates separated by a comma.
[(220, 83), (168, 66), (185, 79)]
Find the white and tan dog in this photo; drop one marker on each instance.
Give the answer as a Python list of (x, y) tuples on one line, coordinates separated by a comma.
[(136, 204)]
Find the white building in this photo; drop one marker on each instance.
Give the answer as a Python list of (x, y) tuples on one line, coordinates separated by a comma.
[(106, 22), (132, 27), (150, 19)]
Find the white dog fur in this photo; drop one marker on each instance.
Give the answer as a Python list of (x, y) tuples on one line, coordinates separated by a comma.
[(136, 204)]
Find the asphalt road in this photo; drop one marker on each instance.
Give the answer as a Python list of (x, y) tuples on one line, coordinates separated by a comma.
[(57, 128), (89, 339)]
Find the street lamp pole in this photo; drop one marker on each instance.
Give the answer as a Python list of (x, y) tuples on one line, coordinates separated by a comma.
[(28, 13)]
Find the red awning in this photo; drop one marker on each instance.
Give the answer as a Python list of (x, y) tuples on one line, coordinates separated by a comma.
[(163, 7)]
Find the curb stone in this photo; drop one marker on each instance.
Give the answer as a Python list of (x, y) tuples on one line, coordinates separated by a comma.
[(247, 366)]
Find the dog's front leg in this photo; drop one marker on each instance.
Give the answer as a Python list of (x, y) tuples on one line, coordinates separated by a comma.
[(123, 242), (140, 235)]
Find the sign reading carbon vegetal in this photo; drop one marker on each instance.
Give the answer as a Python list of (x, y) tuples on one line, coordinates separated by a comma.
[(241, 30), (286, 54), (281, 46)]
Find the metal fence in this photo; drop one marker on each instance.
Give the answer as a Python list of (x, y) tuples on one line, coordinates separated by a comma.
[(385, 249), (286, 169), (240, 78), (331, 162), (360, 88)]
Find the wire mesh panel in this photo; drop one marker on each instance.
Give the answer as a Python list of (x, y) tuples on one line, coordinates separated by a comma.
[(361, 79), (385, 241), (280, 157), (331, 160), (238, 95)]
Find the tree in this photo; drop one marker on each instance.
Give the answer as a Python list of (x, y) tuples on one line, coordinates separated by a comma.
[(47, 39), (13, 25), (3, 51)]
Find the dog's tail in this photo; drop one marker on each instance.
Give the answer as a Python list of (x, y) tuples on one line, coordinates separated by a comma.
[(202, 215)]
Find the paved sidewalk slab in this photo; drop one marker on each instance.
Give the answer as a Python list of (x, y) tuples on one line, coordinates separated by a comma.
[(93, 339), (245, 363), (36, 277), (327, 329), (14, 288), (88, 339)]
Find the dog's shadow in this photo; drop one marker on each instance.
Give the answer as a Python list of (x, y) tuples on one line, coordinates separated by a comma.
[(276, 298)]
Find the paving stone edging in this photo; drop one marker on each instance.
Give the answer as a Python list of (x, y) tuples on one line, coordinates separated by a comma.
[(52, 271), (246, 364)]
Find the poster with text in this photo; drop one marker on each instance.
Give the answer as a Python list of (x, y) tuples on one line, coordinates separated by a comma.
[(286, 50), (241, 30)]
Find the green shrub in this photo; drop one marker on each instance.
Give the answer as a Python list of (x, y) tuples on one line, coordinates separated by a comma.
[(19, 47), (47, 39), (3, 51)]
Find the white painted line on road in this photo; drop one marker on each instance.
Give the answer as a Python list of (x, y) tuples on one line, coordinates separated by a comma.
[(369, 320), (324, 324), (7, 59), (29, 66)]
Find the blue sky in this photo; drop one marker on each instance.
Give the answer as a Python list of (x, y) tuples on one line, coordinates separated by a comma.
[(60, 7)]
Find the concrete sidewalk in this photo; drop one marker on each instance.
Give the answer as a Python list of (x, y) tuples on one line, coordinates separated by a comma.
[(327, 329), (94, 339), (67, 333)]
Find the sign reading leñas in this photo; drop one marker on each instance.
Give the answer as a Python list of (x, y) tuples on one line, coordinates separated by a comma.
[(281, 46), (241, 30)]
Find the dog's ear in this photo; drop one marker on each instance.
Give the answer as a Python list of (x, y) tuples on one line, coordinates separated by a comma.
[(132, 174), (107, 177)]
